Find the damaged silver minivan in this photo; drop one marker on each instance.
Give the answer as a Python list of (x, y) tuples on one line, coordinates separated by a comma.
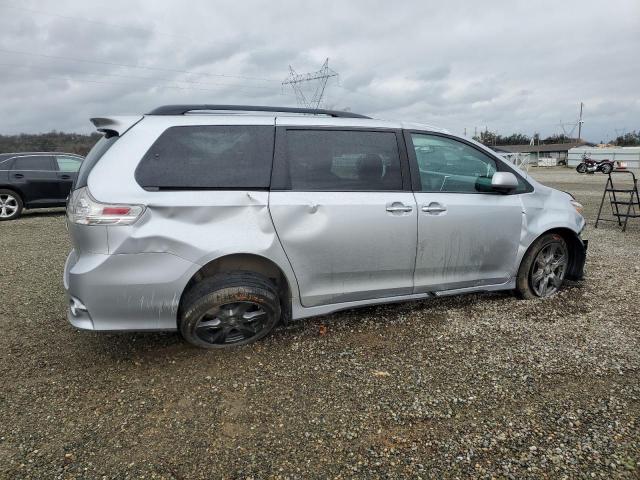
[(222, 221)]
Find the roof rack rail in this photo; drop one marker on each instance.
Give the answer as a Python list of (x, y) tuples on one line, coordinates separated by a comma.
[(182, 109)]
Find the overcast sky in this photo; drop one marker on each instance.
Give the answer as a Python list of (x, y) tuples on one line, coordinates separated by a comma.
[(511, 66)]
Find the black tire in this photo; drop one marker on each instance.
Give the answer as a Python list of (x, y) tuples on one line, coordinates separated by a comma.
[(606, 168), (581, 168), (229, 309), (530, 269), (9, 198)]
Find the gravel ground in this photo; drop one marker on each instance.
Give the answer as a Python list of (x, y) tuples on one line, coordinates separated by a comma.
[(471, 386)]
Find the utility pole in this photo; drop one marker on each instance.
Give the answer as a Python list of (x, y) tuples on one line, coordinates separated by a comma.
[(580, 122), (319, 77)]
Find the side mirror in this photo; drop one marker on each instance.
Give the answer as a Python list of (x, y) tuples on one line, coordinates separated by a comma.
[(504, 182)]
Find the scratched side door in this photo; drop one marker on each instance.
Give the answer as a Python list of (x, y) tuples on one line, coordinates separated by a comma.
[(342, 213), (468, 234)]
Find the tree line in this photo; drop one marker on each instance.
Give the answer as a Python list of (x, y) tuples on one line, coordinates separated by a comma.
[(49, 142), (490, 138), (81, 143), (631, 139)]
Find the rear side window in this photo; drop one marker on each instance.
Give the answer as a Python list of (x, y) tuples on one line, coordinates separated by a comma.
[(209, 157), (96, 153), (33, 162), (342, 160)]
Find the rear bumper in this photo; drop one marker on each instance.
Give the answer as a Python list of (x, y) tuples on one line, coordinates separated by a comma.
[(126, 292)]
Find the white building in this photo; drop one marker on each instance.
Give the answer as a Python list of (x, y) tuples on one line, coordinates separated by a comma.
[(629, 155)]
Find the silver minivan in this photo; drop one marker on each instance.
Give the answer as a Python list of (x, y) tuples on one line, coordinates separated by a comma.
[(222, 221)]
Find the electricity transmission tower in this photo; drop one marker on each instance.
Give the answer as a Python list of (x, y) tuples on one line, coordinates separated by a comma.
[(319, 78), (577, 124)]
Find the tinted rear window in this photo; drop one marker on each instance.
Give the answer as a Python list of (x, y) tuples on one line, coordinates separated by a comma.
[(342, 160), (33, 162), (201, 157), (96, 153)]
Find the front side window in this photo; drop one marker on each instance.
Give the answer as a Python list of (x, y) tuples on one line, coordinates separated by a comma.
[(68, 164), (33, 163), (342, 160), (215, 157), (446, 165)]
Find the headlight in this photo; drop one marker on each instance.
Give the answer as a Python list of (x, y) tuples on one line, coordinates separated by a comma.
[(577, 205)]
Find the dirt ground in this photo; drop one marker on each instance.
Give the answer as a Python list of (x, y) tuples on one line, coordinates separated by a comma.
[(472, 386)]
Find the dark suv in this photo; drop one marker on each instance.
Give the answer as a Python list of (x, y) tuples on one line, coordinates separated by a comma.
[(35, 180)]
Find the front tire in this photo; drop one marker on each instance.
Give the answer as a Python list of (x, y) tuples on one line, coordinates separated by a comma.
[(581, 168), (10, 205), (543, 267), (229, 309)]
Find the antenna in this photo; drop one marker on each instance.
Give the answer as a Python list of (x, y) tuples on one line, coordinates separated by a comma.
[(320, 78)]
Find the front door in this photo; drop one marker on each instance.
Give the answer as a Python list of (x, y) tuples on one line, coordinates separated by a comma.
[(343, 215), (468, 235), (36, 178)]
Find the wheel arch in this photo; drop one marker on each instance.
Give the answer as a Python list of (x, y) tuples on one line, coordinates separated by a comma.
[(13, 188), (576, 247), (245, 262)]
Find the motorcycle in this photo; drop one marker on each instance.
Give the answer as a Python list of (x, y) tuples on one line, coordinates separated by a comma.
[(591, 166)]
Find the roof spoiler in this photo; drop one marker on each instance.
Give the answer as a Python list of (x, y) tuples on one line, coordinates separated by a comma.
[(115, 126)]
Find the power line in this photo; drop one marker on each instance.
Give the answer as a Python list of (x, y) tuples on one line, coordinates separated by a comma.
[(135, 77), (163, 86), (115, 64)]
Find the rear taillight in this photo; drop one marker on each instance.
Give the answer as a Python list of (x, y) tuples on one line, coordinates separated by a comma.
[(83, 209)]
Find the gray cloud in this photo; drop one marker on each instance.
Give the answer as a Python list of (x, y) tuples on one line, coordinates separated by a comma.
[(506, 65)]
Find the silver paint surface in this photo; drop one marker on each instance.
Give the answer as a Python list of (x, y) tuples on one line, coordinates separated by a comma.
[(345, 248), (473, 242)]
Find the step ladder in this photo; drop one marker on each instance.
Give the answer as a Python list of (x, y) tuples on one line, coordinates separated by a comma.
[(625, 202)]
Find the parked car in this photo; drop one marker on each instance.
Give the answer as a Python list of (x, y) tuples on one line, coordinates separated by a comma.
[(221, 221), (35, 180)]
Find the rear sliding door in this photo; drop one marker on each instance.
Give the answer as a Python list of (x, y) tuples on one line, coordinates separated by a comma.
[(343, 216)]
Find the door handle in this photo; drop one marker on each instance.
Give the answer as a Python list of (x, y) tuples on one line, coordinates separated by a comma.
[(65, 177), (18, 175), (434, 208), (399, 208)]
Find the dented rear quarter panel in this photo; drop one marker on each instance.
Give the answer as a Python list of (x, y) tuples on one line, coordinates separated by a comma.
[(194, 226)]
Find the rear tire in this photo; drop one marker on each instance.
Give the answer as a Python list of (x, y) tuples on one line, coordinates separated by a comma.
[(10, 205), (543, 267), (606, 169), (229, 309)]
